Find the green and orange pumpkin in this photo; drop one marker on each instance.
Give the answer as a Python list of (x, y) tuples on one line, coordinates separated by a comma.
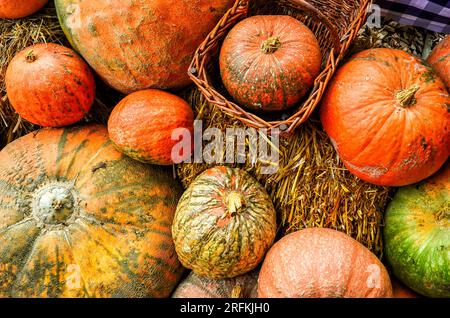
[(439, 60), (50, 85), (139, 44), (417, 235), (195, 286), (269, 63), (149, 124), (79, 219), (387, 114), (224, 223), (322, 263), (16, 9)]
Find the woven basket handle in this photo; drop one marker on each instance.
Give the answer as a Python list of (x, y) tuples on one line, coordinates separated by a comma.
[(305, 6)]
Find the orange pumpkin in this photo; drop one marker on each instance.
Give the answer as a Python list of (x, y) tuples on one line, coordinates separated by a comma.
[(79, 219), (322, 263), (15, 9), (439, 59), (142, 124), (388, 117), (269, 63), (50, 85), (401, 291), (135, 45)]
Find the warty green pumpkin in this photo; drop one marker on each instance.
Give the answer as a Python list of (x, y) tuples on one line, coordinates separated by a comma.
[(79, 219), (224, 223)]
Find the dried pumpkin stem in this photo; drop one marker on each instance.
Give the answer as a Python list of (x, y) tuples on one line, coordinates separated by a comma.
[(235, 202), (407, 97), (30, 56), (237, 292), (271, 45)]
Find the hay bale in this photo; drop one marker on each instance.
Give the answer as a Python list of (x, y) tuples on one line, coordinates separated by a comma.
[(15, 35)]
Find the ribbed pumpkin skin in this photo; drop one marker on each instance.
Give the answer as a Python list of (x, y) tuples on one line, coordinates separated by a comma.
[(212, 236), (417, 235), (269, 81), (141, 126), (50, 85), (322, 263), (439, 60), (115, 242), (195, 286), (15, 9), (139, 44), (379, 140)]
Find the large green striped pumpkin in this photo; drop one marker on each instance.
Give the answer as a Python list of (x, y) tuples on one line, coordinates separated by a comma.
[(417, 235), (224, 223), (79, 219)]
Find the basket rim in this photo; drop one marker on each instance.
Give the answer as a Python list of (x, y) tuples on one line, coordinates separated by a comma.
[(198, 70)]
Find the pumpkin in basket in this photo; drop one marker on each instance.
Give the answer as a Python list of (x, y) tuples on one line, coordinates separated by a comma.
[(79, 219), (15, 9), (417, 235), (50, 85), (439, 59), (135, 45), (195, 286), (224, 223), (322, 263), (388, 117), (269, 63), (144, 126)]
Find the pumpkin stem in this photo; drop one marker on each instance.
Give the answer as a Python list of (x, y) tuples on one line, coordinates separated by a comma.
[(443, 214), (235, 202), (30, 56), (271, 45), (406, 97), (237, 292)]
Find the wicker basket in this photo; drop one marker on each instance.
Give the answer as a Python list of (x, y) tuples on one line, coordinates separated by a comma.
[(335, 24)]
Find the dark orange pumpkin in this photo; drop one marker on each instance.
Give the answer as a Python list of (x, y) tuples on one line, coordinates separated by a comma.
[(439, 59), (195, 286), (79, 219), (269, 63), (401, 291), (50, 85), (388, 117), (135, 45), (143, 123), (322, 263), (15, 9)]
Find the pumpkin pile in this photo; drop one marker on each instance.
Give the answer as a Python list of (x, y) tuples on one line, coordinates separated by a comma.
[(90, 210)]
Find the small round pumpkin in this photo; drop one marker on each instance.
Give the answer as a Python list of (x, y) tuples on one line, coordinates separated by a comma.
[(195, 286), (439, 60), (322, 263), (269, 63), (136, 45), (50, 85), (16, 9), (388, 117), (417, 235), (80, 219), (224, 223), (143, 123)]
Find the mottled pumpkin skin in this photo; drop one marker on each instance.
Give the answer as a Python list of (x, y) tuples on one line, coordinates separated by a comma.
[(224, 224), (195, 286), (50, 85), (142, 124), (322, 263), (16, 9), (113, 241), (139, 44), (417, 235), (439, 60), (266, 80), (381, 136)]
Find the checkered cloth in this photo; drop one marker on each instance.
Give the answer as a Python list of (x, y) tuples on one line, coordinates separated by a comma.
[(433, 15)]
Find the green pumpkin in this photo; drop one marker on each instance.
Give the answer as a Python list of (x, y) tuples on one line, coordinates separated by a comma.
[(417, 235)]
